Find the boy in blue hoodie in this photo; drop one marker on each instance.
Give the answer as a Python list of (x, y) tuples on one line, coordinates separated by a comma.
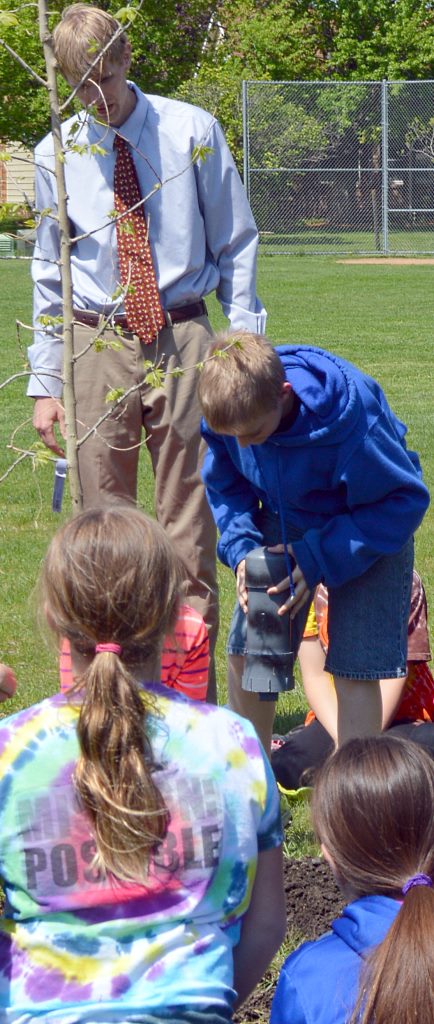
[(304, 453)]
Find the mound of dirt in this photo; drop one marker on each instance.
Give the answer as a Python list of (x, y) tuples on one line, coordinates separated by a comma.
[(313, 900)]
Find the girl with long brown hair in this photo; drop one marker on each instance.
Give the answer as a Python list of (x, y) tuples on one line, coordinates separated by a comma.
[(373, 812), (140, 836)]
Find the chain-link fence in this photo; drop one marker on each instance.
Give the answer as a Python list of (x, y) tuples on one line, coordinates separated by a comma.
[(340, 167)]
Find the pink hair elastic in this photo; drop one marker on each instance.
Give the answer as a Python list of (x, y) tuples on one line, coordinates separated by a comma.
[(416, 880), (108, 648)]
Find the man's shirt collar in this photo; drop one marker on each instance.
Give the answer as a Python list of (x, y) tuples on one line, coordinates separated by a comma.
[(130, 129)]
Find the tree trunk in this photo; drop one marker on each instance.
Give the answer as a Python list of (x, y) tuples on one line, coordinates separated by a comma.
[(65, 265)]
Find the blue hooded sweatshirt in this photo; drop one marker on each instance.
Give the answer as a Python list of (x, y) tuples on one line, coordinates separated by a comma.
[(318, 984), (340, 475)]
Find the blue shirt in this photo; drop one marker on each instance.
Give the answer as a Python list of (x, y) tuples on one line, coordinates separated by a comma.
[(340, 474), (318, 983), (201, 230)]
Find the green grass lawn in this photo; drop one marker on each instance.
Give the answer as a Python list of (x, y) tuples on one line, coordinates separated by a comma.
[(307, 241), (380, 317)]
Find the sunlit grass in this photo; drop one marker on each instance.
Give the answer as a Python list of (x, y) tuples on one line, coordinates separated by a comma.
[(378, 317)]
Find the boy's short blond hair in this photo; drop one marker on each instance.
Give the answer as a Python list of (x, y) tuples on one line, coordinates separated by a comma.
[(80, 35), (242, 382)]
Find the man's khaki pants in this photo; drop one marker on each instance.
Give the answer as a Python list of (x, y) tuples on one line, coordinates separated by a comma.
[(170, 417)]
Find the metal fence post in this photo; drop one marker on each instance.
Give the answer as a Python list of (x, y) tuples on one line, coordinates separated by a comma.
[(245, 140), (385, 163)]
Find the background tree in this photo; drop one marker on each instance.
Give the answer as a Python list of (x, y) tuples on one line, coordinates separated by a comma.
[(201, 51), (255, 39), (307, 40), (284, 40), (382, 39)]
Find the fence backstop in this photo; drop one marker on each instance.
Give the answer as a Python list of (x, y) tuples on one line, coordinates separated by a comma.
[(341, 167)]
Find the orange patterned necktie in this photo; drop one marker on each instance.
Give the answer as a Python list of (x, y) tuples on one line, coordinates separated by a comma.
[(143, 310)]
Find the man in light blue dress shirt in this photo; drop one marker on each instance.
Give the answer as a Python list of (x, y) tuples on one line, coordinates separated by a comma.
[(202, 238)]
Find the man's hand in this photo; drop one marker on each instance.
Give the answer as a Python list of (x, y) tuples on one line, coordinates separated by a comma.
[(8, 683), (46, 413), (301, 589), (241, 585)]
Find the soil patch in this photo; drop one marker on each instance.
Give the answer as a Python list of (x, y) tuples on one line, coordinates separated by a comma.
[(397, 261), (313, 900)]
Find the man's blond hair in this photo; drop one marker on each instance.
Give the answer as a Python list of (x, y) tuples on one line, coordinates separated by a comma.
[(242, 379), (81, 34)]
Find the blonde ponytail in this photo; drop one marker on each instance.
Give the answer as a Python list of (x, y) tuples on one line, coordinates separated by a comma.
[(112, 582)]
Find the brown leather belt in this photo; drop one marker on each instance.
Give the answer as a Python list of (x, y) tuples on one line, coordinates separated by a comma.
[(173, 316)]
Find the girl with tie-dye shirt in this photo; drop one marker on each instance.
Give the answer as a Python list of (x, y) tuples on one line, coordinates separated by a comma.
[(140, 837)]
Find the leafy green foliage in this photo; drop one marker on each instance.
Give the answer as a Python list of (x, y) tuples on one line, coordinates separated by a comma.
[(286, 40), (8, 20), (126, 227), (201, 153), (155, 377), (50, 321), (15, 215), (126, 15), (300, 40), (114, 394), (102, 345), (217, 88), (200, 52), (293, 40), (383, 39)]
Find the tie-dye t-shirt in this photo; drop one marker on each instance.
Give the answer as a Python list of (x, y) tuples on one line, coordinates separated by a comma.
[(76, 948)]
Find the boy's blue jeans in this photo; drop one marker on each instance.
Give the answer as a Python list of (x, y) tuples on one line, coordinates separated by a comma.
[(368, 620)]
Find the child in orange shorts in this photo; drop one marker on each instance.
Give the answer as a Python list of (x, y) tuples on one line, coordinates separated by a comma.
[(408, 704)]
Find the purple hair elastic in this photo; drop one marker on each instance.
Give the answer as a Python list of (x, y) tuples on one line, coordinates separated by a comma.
[(110, 648), (416, 880)]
